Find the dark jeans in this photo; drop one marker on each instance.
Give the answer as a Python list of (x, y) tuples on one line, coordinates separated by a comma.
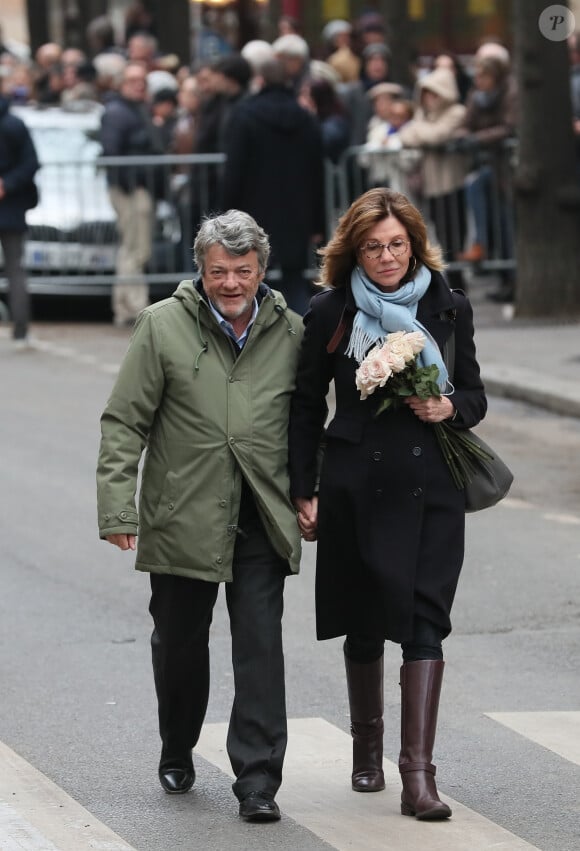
[(296, 289), (19, 300), (182, 612), (425, 644)]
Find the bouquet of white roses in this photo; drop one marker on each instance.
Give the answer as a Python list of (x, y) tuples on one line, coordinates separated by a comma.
[(392, 365)]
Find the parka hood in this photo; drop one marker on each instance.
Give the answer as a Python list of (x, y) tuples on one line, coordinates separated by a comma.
[(277, 107), (271, 304), (442, 82)]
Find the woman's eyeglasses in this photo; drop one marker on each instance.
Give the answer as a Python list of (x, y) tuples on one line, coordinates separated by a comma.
[(373, 250)]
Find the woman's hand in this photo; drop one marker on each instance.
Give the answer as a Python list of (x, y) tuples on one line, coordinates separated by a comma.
[(431, 410), (307, 517)]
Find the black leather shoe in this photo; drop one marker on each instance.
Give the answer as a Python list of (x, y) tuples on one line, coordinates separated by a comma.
[(259, 806), (176, 781)]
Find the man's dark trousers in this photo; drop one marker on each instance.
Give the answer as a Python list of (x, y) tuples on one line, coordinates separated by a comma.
[(182, 612)]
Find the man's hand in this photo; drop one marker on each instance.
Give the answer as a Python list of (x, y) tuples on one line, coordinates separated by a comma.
[(307, 517), (124, 542)]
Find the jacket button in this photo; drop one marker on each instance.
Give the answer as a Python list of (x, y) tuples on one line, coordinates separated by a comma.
[(219, 559), (379, 491), (377, 456), (171, 506), (223, 503), (418, 492), (107, 516), (417, 450), (123, 515), (231, 379), (232, 439)]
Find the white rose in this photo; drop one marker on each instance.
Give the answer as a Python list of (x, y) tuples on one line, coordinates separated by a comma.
[(364, 382), (380, 368), (416, 340), (395, 335), (390, 360), (398, 353)]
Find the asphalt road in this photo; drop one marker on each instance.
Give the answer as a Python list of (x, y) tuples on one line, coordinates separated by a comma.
[(77, 695)]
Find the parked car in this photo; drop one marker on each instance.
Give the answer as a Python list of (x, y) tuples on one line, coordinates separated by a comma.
[(72, 239)]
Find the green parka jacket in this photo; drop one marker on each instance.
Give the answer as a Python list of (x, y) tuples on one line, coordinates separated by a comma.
[(206, 418)]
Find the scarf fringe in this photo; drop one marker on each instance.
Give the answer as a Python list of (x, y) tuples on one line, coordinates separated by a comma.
[(360, 342)]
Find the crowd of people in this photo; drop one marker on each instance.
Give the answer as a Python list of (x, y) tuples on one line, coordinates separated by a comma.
[(349, 93), (438, 136)]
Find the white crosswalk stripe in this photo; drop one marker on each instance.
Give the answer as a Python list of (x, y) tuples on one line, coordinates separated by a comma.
[(557, 731), (36, 815), (316, 793)]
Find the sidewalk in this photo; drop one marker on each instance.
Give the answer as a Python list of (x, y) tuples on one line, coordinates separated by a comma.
[(533, 361)]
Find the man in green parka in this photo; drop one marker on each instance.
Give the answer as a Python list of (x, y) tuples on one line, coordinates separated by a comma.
[(204, 389)]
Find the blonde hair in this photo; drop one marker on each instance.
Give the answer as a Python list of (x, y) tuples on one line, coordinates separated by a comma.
[(339, 256)]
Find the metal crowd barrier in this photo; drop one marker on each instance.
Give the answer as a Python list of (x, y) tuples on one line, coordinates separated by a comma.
[(72, 242), (482, 208)]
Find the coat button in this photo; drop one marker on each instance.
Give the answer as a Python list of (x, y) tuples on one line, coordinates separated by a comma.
[(123, 515), (223, 503), (418, 492), (231, 379), (171, 506), (219, 559), (417, 450), (232, 439), (379, 491), (377, 456)]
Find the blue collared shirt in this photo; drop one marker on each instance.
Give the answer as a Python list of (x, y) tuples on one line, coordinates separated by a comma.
[(227, 327)]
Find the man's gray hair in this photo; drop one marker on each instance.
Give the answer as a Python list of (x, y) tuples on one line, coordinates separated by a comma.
[(237, 232)]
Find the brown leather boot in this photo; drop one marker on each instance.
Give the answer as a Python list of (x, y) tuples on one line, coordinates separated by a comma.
[(475, 254), (365, 696), (420, 690)]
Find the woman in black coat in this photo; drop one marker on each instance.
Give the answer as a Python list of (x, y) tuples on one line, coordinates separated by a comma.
[(388, 517)]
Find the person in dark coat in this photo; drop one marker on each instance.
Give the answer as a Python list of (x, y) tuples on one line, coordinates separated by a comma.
[(275, 172), (18, 165), (127, 131), (388, 517)]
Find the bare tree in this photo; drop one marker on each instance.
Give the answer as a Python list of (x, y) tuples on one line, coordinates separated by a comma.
[(546, 184)]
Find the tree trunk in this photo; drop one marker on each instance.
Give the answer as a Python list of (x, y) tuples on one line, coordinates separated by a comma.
[(547, 187)]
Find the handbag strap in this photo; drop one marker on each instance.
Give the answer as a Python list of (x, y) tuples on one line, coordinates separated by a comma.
[(449, 352)]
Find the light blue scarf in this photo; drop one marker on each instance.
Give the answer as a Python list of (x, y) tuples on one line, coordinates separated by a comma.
[(380, 313)]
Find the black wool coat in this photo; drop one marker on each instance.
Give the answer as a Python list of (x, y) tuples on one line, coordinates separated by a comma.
[(275, 171), (391, 522), (18, 165)]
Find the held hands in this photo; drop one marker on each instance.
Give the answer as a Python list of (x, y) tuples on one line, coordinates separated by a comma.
[(307, 517), (124, 542), (431, 410)]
